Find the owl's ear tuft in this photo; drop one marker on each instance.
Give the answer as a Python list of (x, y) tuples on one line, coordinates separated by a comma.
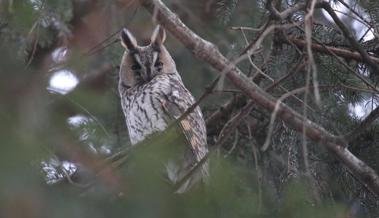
[(159, 36), (128, 40)]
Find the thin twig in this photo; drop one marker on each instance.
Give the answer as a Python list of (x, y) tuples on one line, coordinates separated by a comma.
[(234, 145), (246, 28), (87, 112), (301, 64), (308, 22), (256, 44), (275, 112), (35, 43)]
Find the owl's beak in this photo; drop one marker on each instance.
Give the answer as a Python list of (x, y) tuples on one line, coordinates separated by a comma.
[(147, 75)]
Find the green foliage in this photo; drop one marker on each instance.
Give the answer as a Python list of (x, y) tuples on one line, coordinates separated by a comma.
[(19, 14), (371, 7), (296, 204), (225, 10)]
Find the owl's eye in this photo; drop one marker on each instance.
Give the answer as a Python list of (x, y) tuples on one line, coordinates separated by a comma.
[(158, 64), (136, 67)]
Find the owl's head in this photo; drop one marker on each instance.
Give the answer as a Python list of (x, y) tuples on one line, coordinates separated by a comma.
[(140, 64)]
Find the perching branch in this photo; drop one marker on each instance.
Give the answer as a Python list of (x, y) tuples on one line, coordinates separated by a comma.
[(209, 53)]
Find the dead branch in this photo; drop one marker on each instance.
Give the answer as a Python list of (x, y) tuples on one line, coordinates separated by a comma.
[(342, 52)]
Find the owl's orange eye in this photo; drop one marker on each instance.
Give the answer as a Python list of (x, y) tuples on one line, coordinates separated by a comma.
[(158, 64), (136, 67)]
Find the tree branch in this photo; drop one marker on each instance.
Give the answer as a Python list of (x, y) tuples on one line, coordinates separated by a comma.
[(354, 43), (206, 51), (363, 125), (331, 51), (325, 49)]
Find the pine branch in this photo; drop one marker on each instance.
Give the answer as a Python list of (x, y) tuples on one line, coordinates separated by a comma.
[(366, 123), (208, 52), (354, 43)]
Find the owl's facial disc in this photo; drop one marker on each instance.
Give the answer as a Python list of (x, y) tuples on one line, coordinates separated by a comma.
[(146, 64)]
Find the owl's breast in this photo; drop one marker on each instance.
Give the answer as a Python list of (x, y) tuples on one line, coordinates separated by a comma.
[(144, 113)]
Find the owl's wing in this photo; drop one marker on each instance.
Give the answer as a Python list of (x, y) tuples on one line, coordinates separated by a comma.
[(193, 126)]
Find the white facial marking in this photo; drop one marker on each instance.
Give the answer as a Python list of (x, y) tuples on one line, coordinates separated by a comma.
[(137, 59), (155, 57)]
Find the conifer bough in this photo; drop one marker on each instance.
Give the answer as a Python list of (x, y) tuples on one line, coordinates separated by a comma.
[(209, 53)]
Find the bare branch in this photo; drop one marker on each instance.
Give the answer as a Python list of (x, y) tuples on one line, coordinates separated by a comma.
[(325, 49), (308, 22), (275, 112)]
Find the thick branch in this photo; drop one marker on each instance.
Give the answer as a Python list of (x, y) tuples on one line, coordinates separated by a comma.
[(208, 52)]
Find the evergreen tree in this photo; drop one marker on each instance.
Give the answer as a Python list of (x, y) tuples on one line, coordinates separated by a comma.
[(66, 149)]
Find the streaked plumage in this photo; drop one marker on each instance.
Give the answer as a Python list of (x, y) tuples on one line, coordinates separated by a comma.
[(153, 96)]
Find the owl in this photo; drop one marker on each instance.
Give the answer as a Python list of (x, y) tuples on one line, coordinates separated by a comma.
[(153, 96)]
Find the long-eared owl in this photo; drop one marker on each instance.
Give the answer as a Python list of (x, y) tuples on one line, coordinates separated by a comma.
[(153, 96)]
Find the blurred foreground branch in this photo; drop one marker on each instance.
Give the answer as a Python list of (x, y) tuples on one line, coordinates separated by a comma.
[(208, 52)]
